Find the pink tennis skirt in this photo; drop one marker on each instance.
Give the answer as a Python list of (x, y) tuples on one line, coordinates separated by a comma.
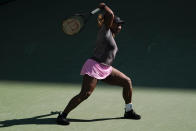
[(95, 69)]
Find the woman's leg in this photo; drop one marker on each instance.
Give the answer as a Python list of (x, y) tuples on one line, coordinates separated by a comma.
[(120, 79), (88, 85)]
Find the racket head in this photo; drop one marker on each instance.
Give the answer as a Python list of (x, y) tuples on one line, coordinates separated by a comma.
[(73, 24)]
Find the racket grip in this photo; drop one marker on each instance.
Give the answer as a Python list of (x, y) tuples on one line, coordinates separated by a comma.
[(95, 11)]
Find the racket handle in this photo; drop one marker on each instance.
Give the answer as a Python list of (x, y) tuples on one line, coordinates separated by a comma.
[(95, 11)]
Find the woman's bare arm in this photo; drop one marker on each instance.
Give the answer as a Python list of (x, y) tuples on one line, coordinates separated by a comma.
[(108, 16)]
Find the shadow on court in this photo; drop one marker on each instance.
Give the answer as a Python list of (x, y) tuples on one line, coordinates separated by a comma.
[(33, 120), (39, 120), (94, 120)]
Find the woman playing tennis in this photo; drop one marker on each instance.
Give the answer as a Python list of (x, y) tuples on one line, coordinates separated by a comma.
[(98, 67)]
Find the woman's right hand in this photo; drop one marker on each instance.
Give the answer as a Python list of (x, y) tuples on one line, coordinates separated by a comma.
[(102, 5)]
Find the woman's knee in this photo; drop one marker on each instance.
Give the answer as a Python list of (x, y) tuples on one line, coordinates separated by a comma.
[(84, 95), (127, 83)]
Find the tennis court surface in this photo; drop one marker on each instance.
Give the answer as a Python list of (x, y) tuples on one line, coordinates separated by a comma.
[(26, 106)]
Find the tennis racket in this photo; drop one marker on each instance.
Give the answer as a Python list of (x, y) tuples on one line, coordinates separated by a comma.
[(74, 24)]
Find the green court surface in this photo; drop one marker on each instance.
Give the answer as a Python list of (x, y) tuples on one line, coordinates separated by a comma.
[(28, 107)]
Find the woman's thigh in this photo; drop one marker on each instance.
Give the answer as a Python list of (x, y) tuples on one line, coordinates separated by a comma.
[(117, 78), (88, 84)]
